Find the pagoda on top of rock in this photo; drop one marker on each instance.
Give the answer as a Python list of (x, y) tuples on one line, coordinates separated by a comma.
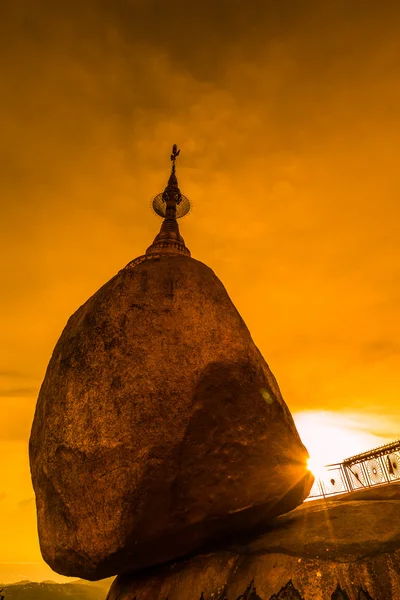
[(171, 205), (159, 427)]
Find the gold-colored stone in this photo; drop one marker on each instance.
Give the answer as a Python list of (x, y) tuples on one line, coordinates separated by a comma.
[(159, 426)]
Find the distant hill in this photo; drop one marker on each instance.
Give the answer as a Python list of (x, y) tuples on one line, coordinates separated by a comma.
[(103, 583), (48, 590)]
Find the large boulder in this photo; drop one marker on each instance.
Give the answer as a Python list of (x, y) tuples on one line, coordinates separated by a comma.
[(159, 426), (346, 548)]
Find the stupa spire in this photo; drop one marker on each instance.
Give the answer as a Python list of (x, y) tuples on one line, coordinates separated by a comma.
[(171, 205)]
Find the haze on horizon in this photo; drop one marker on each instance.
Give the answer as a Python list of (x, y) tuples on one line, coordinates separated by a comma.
[(288, 118)]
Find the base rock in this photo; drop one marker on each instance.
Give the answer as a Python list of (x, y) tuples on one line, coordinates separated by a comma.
[(347, 548)]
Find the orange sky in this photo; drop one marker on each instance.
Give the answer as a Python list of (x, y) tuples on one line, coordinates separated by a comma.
[(288, 117)]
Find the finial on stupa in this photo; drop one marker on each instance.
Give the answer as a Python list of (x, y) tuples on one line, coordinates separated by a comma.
[(174, 156), (171, 205)]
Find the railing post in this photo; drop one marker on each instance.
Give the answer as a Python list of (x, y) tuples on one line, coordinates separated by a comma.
[(365, 473), (346, 477), (383, 467)]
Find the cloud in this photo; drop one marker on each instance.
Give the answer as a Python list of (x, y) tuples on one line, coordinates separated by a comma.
[(287, 116), (18, 384), (380, 350), (18, 392), (27, 503), (288, 132), (16, 417)]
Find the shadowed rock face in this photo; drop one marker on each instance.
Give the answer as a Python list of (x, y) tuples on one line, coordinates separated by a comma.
[(346, 548), (158, 427)]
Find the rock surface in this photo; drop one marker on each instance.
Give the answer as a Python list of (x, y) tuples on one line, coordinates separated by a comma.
[(159, 426), (346, 548)]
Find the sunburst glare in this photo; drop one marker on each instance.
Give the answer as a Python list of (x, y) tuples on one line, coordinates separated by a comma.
[(331, 437)]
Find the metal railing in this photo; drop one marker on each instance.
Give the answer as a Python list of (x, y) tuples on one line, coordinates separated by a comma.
[(375, 467)]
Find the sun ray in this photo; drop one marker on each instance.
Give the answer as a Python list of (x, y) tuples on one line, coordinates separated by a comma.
[(330, 437)]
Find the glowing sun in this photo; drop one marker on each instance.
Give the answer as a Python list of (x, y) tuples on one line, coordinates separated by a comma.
[(331, 437)]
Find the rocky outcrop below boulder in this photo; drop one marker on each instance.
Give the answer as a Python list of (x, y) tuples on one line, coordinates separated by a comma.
[(159, 426), (346, 548)]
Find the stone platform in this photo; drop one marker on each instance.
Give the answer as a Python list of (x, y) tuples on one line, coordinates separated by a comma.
[(344, 548)]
